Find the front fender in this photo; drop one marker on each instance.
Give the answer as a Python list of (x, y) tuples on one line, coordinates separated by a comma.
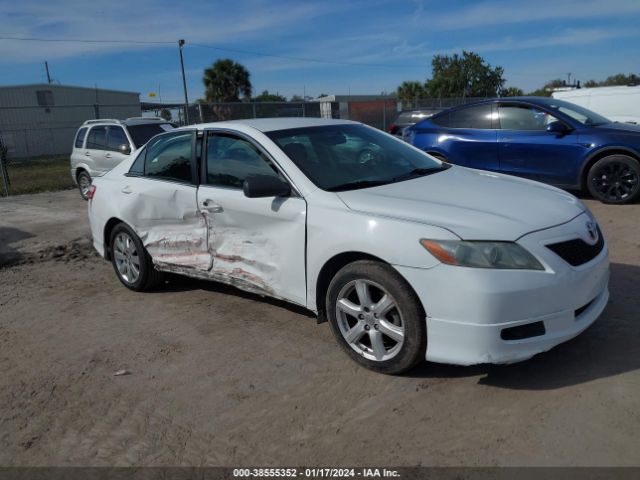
[(602, 151), (334, 229)]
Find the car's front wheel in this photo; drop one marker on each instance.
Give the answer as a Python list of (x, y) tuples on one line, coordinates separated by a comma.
[(130, 260), (376, 317), (615, 179)]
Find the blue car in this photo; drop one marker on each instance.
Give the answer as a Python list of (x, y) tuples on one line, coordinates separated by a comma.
[(540, 138)]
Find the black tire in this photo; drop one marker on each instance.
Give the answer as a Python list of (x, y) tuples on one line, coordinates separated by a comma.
[(407, 313), (84, 182), (148, 277), (615, 179)]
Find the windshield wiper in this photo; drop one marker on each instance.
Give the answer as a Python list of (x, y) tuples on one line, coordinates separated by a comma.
[(420, 172), (415, 173), (358, 184)]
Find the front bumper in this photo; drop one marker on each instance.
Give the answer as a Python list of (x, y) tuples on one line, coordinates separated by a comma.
[(468, 309)]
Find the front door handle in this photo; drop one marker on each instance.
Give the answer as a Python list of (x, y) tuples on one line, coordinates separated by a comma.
[(210, 206), (126, 189), (107, 155)]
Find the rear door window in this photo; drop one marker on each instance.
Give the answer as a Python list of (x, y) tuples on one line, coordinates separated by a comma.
[(477, 117), (97, 138), (169, 157), (80, 137)]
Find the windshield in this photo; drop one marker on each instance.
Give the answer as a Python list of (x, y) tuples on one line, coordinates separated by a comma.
[(579, 114), (141, 134), (347, 157)]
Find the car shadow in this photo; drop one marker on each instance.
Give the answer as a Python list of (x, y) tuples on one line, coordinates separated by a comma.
[(8, 254), (609, 347)]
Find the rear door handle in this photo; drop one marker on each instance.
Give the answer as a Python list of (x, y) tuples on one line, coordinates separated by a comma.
[(107, 155), (126, 189), (210, 206), (87, 154)]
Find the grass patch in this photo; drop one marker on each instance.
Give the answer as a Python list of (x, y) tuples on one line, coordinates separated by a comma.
[(39, 175)]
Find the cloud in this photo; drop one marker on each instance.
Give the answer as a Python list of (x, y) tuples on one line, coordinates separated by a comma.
[(143, 20), (569, 37), (508, 12)]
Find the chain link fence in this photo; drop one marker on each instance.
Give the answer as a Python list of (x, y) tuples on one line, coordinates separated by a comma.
[(36, 141), (4, 174)]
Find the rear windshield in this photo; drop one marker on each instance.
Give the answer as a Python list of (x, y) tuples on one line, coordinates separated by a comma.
[(141, 134)]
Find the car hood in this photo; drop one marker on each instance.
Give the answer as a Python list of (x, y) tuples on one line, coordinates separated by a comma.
[(620, 127), (473, 204)]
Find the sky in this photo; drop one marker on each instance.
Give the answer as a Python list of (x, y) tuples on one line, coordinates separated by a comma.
[(335, 47)]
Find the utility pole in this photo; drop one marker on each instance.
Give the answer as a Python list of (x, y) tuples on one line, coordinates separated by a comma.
[(46, 67), (184, 84)]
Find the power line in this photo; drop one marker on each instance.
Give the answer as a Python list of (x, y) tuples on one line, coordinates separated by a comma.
[(304, 59), (82, 40), (213, 47)]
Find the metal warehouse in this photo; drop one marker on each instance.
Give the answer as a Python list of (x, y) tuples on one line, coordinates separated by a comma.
[(39, 120)]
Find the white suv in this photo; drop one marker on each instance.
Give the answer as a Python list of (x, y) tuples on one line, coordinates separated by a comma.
[(102, 144)]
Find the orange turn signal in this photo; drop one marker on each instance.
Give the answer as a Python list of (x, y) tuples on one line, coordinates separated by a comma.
[(439, 252)]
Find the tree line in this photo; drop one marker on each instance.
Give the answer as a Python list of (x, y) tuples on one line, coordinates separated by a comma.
[(452, 76), (469, 75)]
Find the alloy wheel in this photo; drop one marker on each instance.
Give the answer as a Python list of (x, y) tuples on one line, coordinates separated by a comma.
[(370, 320), (126, 257), (85, 183), (615, 181)]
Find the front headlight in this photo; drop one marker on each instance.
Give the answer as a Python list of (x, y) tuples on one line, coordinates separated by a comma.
[(481, 254)]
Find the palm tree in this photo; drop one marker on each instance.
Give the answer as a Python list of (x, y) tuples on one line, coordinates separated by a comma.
[(410, 91), (225, 81)]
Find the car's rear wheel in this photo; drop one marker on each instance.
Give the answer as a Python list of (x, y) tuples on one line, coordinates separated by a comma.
[(84, 182), (376, 317), (131, 262), (615, 179)]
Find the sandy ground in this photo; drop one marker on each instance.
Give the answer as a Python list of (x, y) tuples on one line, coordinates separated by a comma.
[(219, 377)]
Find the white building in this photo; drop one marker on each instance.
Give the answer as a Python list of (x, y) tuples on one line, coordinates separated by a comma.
[(42, 119)]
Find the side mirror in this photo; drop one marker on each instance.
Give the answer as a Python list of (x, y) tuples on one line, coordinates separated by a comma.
[(125, 149), (260, 186), (558, 128)]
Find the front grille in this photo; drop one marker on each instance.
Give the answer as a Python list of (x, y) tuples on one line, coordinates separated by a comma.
[(576, 252)]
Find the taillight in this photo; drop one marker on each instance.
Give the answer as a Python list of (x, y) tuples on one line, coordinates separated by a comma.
[(393, 129), (91, 192)]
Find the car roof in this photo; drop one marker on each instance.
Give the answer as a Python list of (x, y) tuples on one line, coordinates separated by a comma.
[(524, 99), (126, 122), (273, 124)]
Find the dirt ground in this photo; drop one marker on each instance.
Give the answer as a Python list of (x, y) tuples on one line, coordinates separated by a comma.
[(219, 377)]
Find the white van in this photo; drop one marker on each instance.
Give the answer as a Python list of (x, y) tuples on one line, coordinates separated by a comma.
[(619, 104)]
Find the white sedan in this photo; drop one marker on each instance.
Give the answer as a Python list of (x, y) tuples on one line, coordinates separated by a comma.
[(407, 257)]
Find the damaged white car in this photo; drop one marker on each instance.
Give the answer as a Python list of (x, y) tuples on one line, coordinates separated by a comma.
[(407, 257)]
